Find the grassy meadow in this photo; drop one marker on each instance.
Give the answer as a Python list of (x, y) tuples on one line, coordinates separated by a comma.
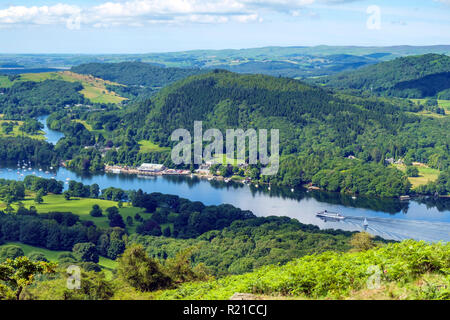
[(426, 174), (441, 103), (94, 88), (106, 264), (17, 133), (5, 82), (78, 206), (148, 146)]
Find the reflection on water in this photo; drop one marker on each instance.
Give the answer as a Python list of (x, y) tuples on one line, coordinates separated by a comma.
[(423, 219)]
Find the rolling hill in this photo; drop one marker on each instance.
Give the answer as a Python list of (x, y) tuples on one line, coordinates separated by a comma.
[(135, 73), (407, 77)]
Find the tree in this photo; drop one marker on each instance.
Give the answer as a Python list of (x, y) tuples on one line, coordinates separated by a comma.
[(115, 219), (166, 232), (140, 271), (116, 248), (93, 286), (96, 211), (149, 227), (10, 252), (94, 191), (412, 171), (37, 256), (67, 195), (87, 252), (362, 241), (39, 198), (129, 221), (112, 211), (19, 273), (180, 267)]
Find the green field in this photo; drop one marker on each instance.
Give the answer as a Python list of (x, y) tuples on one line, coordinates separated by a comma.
[(441, 103), (444, 104), (148, 146), (426, 175), (89, 128), (17, 133), (94, 88), (4, 82), (52, 255), (78, 206)]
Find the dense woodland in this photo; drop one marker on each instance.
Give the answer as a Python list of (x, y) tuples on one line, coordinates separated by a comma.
[(139, 78), (408, 77), (31, 99)]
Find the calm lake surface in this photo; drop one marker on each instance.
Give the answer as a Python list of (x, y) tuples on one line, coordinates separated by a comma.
[(51, 135), (423, 219)]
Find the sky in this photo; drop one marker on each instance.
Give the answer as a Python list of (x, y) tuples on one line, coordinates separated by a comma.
[(145, 26)]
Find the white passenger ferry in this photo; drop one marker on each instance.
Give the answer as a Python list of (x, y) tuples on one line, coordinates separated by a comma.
[(330, 215)]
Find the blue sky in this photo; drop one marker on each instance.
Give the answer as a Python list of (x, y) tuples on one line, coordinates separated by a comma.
[(140, 26)]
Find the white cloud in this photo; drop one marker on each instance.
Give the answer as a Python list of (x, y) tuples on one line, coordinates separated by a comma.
[(141, 12), (38, 15)]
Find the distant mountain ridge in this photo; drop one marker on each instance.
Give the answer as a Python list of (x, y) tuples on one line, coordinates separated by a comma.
[(294, 61)]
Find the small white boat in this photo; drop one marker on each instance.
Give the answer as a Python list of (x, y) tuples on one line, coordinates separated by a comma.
[(354, 198), (331, 215), (292, 190), (365, 223)]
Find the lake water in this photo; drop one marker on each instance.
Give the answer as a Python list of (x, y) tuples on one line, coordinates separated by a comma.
[(51, 135), (427, 219), (392, 219)]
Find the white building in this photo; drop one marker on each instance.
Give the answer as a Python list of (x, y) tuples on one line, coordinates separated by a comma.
[(151, 167)]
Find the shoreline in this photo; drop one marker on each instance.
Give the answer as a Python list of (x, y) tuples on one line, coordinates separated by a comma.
[(169, 172), (178, 172)]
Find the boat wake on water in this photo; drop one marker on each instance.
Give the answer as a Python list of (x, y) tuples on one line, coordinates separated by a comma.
[(398, 229)]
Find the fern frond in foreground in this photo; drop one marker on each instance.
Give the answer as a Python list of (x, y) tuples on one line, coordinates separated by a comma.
[(406, 270)]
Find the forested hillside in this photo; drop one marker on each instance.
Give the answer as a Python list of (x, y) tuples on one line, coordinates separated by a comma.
[(408, 77), (30, 99), (137, 76), (318, 129)]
